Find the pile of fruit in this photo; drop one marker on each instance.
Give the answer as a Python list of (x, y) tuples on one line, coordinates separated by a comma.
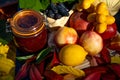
[(86, 48)]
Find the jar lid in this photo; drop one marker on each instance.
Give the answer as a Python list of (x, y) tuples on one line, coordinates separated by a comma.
[(27, 22)]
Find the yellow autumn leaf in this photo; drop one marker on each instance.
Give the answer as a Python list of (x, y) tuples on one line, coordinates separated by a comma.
[(3, 50), (62, 69)]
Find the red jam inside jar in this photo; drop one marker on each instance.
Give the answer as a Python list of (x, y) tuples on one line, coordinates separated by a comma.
[(30, 34)]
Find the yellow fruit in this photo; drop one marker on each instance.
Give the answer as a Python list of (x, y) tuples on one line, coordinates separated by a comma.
[(86, 4), (92, 1), (65, 35), (72, 55), (113, 5), (91, 17), (110, 20), (100, 28), (101, 7), (106, 12), (100, 18)]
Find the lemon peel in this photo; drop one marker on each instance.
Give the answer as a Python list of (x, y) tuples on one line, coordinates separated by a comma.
[(72, 55)]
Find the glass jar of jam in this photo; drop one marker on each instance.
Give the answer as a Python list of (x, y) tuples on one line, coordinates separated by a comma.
[(30, 34)]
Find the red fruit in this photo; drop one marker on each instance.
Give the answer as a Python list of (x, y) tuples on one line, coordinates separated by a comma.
[(92, 42), (78, 21), (110, 32), (93, 76), (65, 35)]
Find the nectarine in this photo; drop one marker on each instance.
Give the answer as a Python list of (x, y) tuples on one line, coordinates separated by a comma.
[(65, 35), (92, 42)]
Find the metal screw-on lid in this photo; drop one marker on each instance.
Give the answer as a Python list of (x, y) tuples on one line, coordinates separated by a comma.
[(27, 22)]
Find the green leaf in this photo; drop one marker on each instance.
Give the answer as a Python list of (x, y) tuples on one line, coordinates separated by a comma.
[(26, 3), (3, 41), (21, 58), (38, 5), (57, 1), (43, 54)]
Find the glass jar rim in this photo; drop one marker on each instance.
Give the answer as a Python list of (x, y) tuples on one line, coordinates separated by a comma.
[(30, 30)]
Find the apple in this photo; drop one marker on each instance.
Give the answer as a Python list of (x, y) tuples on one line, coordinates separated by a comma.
[(110, 31), (65, 35), (78, 21), (92, 42)]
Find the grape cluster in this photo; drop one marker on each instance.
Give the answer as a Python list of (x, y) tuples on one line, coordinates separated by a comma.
[(56, 11)]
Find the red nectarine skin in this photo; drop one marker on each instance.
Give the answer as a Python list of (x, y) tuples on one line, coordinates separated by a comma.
[(110, 32), (78, 21), (71, 38), (92, 42), (65, 35)]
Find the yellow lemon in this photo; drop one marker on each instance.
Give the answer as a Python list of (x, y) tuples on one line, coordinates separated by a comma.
[(110, 20), (100, 18), (72, 55), (100, 28)]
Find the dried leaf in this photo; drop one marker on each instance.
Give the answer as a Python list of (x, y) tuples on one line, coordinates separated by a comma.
[(62, 69)]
